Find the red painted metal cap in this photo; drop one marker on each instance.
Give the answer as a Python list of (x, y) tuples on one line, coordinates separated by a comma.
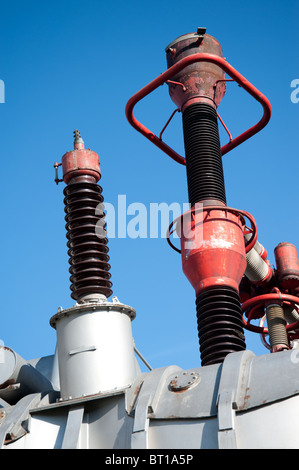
[(80, 161), (198, 82)]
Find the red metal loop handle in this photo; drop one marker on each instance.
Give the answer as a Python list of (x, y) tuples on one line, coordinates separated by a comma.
[(161, 79), (261, 300), (248, 245)]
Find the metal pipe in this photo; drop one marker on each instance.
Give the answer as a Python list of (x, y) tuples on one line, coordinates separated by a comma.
[(18, 377), (95, 348)]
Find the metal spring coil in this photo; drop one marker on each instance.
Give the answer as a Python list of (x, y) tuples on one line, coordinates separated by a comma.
[(87, 251), (219, 322), (276, 326), (203, 154)]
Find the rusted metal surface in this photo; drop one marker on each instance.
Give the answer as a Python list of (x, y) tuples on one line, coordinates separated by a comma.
[(213, 249), (287, 264), (183, 381), (8, 384), (198, 80), (80, 162)]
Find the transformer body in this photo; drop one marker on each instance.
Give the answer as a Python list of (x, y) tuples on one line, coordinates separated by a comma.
[(243, 403)]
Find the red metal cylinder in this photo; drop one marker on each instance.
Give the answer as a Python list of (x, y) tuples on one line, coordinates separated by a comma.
[(287, 265), (213, 250), (80, 162), (200, 82)]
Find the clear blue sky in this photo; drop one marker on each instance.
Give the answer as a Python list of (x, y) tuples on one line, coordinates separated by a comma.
[(74, 64)]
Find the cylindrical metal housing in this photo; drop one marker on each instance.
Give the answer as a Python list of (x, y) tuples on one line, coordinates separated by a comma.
[(80, 162), (261, 250), (287, 264), (214, 261), (199, 81), (213, 249), (290, 314), (257, 269), (95, 348), (19, 378)]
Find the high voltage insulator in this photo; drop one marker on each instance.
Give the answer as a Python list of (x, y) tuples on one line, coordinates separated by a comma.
[(88, 250)]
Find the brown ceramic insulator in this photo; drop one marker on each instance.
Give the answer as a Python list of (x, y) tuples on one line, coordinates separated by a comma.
[(88, 251)]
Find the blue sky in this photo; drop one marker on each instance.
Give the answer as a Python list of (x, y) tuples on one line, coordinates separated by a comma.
[(75, 64)]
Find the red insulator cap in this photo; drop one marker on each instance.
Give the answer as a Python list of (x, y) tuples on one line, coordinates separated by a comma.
[(80, 161)]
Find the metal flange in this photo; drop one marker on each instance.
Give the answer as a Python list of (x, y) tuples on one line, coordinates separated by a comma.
[(183, 381)]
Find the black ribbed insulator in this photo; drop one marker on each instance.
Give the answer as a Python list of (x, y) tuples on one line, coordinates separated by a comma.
[(87, 251), (203, 154), (220, 324)]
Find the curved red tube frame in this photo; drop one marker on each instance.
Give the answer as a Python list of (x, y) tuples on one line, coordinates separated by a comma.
[(249, 245), (161, 79), (260, 300)]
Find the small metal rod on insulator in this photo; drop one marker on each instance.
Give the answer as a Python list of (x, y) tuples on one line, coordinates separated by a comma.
[(172, 82), (167, 123), (142, 358), (225, 127), (223, 80), (56, 166)]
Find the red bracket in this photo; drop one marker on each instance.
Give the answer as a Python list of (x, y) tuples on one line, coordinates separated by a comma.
[(161, 79)]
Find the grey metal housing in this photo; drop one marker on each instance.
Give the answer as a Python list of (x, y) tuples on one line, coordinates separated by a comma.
[(247, 402)]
